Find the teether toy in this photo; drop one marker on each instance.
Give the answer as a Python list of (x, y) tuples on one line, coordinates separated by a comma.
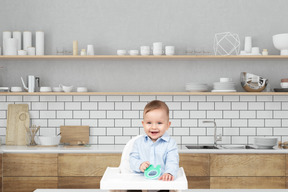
[(152, 173)]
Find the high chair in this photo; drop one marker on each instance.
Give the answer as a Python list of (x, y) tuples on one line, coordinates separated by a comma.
[(122, 178)]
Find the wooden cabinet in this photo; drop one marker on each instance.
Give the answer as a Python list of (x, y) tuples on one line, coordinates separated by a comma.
[(84, 171), (247, 171), (196, 167)]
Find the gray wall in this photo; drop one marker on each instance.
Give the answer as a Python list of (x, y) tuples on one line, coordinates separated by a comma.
[(113, 24)]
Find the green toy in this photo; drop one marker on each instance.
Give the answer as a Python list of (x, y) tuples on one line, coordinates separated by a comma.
[(152, 173)]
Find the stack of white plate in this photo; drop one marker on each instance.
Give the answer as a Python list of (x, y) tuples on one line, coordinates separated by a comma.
[(196, 87), (225, 85), (265, 142)]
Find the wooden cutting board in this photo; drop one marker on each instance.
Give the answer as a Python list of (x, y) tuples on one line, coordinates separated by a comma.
[(74, 134), (18, 118)]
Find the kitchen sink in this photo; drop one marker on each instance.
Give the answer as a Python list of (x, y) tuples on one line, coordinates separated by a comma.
[(201, 147)]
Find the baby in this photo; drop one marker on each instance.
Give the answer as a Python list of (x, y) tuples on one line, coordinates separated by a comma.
[(156, 147)]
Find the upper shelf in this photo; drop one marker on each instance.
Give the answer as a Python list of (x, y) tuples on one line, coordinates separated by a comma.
[(144, 57), (144, 93)]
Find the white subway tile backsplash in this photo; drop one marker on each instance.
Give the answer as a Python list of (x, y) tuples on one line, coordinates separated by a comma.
[(284, 122), (81, 114), (181, 131), (137, 106), (173, 105), (222, 105), (39, 106), (64, 114), (247, 114), (31, 98), (239, 106), (247, 98), (206, 140), (214, 114), (264, 131), (50, 98), (272, 105), (231, 98), (248, 131), (197, 98), (175, 122), (47, 114), (240, 140), (64, 98), (164, 98), (198, 114), (114, 131), (264, 114), (180, 98), (71, 122), (72, 105), (98, 114), (284, 105), (264, 98), (47, 131), (3, 98), (122, 139), (56, 106), (198, 131), (273, 122), (231, 114), (239, 123), (4, 105), (189, 123), (181, 114), (256, 122), (131, 98), (136, 122), (105, 140), (281, 131), (90, 122), (106, 122), (131, 114), (2, 131), (231, 131), (114, 114), (114, 98), (189, 105), (131, 131), (124, 106), (206, 105), (189, 140), (280, 98), (223, 122), (3, 122), (281, 114), (97, 98), (106, 105), (81, 98), (214, 98), (98, 131), (13, 98), (55, 122), (122, 122), (93, 140), (3, 115), (147, 98), (89, 106), (39, 122)]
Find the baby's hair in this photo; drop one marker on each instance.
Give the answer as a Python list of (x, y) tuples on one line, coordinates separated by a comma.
[(156, 104)]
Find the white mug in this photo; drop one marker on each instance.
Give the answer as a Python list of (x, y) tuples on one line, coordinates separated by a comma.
[(82, 89), (145, 50), (31, 51), (255, 51), (134, 52), (157, 45), (158, 52), (16, 89), (90, 50), (121, 52), (170, 50), (225, 79), (22, 52)]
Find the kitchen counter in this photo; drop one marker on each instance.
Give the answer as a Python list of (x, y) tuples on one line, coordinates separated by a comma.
[(118, 149)]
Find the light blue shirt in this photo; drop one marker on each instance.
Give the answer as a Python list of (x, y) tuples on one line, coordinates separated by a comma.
[(163, 152)]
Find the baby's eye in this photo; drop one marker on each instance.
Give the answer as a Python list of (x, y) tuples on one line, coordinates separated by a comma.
[(159, 123), (148, 122)]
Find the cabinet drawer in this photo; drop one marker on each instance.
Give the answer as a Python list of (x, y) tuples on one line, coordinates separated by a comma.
[(198, 182), (79, 182), (29, 165), (195, 164), (247, 165), (247, 182), (86, 164), (28, 184)]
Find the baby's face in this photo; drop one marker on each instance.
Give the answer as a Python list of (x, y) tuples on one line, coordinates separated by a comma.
[(156, 123)]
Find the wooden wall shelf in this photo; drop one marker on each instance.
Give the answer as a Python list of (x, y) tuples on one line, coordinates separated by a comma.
[(144, 57), (145, 93)]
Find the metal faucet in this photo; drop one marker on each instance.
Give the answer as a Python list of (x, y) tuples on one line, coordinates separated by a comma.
[(216, 137)]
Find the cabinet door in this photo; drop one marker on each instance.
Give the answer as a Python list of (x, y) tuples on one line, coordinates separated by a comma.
[(79, 182), (247, 165), (28, 184), (86, 164), (247, 182), (29, 165)]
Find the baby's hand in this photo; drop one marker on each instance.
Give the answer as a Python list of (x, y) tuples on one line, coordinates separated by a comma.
[(166, 177), (144, 166)]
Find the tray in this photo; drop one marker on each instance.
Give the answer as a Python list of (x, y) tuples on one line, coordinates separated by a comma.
[(281, 89)]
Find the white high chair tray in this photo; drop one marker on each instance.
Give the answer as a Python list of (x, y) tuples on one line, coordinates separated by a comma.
[(114, 180)]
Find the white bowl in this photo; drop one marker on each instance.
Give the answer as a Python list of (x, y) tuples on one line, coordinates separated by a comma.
[(49, 140), (265, 142), (280, 42)]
